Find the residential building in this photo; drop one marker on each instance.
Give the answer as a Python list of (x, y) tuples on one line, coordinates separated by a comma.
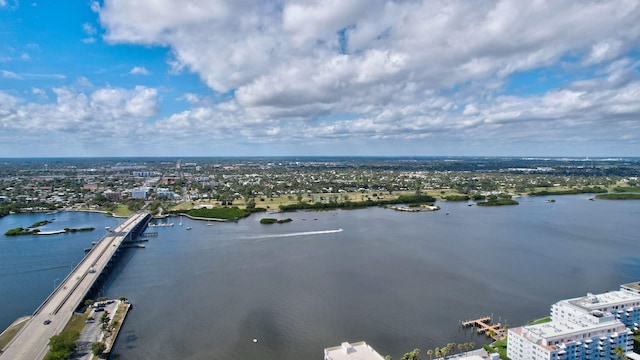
[(113, 195), (356, 351), (592, 327), (139, 193)]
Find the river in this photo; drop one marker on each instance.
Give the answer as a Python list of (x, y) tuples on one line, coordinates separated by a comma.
[(397, 280)]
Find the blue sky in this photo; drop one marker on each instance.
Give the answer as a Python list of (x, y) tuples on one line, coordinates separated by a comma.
[(319, 77)]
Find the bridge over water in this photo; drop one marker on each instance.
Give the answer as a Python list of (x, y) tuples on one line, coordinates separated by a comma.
[(31, 342)]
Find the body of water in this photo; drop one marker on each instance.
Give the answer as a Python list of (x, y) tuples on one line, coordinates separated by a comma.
[(397, 280), (31, 265)]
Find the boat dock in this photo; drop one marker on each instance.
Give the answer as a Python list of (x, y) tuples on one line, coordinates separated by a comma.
[(484, 326)]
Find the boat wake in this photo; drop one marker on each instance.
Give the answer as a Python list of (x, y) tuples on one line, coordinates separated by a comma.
[(304, 233)]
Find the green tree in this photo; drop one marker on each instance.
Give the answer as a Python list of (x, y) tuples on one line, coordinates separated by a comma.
[(97, 348), (413, 355), (89, 302), (61, 346), (430, 353)]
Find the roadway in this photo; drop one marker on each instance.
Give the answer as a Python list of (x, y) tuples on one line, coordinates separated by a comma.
[(31, 343)]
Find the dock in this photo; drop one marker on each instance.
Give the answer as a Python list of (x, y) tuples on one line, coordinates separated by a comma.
[(484, 326)]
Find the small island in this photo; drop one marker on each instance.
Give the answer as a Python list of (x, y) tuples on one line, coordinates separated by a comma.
[(21, 231), (72, 230), (41, 223), (498, 202), (30, 231), (274, 221)]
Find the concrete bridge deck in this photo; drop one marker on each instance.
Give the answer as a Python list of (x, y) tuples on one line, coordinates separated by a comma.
[(31, 343)]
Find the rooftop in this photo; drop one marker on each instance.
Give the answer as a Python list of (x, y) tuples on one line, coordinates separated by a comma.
[(593, 302), (356, 351), (556, 330), (634, 286)]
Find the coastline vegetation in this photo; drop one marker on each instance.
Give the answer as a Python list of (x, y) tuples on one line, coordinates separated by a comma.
[(225, 212), (456, 197), (584, 190), (40, 223), (626, 189), (497, 202), (21, 231), (348, 205), (618, 196), (72, 230), (274, 221)]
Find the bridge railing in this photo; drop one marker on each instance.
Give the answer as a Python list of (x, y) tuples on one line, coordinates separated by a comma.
[(72, 273)]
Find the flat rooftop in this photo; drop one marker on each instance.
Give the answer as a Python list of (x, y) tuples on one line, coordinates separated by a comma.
[(569, 328), (613, 298), (356, 351), (634, 286)]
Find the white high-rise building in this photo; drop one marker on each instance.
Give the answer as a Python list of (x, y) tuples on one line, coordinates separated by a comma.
[(592, 327)]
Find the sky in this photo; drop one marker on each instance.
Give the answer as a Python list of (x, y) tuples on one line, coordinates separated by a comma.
[(319, 77)]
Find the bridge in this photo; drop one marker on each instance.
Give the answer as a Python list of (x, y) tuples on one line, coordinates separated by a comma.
[(31, 342)]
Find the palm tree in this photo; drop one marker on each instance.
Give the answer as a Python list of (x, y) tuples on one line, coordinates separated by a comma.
[(438, 353), (412, 355), (430, 353), (619, 352), (460, 347), (472, 345)]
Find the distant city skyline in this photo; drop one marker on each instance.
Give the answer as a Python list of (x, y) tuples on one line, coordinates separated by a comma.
[(319, 78)]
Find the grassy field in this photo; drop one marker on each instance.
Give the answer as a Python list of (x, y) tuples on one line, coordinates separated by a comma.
[(540, 321), (275, 202), (10, 332), (122, 210)]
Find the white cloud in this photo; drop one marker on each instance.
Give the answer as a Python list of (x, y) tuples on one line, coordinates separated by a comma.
[(139, 70), (78, 116), (3, 2), (10, 75), (89, 29), (325, 70)]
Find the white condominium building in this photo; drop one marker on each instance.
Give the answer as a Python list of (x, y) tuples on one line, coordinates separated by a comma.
[(623, 304), (592, 327), (356, 351)]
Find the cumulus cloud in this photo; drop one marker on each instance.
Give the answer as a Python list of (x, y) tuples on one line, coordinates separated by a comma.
[(378, 69), (106, 112), (139, 70)]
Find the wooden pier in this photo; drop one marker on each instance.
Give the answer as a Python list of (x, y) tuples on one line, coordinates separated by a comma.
[(484, 326)]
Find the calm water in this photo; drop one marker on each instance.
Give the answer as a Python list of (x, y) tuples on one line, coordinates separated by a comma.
[(31, 265), (397, 280)]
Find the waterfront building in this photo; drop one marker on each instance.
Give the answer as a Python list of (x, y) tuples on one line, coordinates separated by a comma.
[(356, 351), (139, 193), (623, 304), (592, 327)]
